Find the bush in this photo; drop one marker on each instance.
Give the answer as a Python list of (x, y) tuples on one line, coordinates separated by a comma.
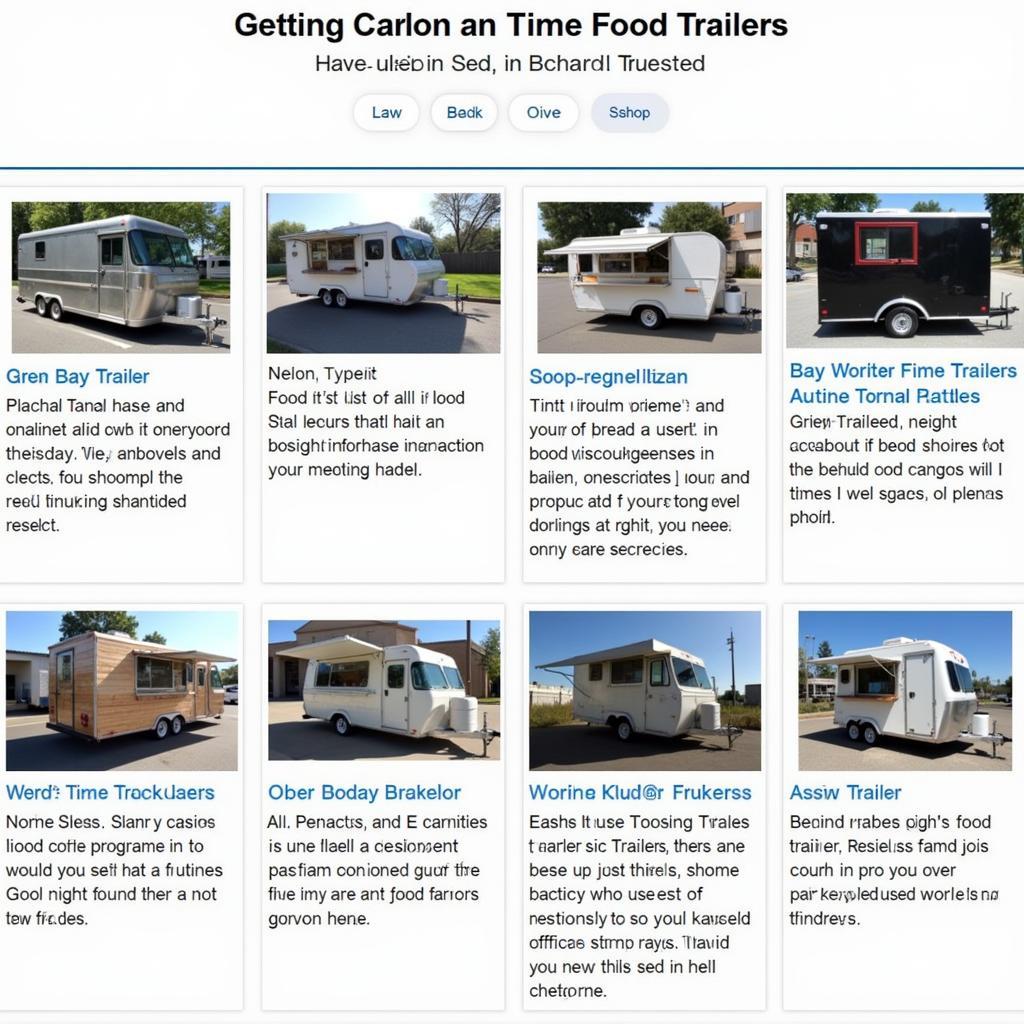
[(748, 271), (810, 707), (542, 715)]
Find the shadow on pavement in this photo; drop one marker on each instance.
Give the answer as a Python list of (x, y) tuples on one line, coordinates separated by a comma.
[(317, 741)]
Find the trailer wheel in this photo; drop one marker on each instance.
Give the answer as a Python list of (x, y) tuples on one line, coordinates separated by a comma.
[(161, 729), (341, 726), (176, 723), (41, 305), (869, 734), (650, 317), (326, 297), (56, 310), (853, 731), (624, 730), (340, 300), (901, 322)]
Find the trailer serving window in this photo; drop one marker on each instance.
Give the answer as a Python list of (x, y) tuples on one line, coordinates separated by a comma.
[(341, 248), (960, 677), (875, 681), (689, 674), (350, 674), (154, 249), (885, 243), (428, 676), (629, 671), (159, 675)]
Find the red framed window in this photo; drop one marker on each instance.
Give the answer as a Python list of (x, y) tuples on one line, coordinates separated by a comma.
[(885, 243)]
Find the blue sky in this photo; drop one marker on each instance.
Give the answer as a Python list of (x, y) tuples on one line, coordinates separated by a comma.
[(213, 631), (960, 202), (555, 635), (983, 638), (428, 629), (653, 217), (372, 206)]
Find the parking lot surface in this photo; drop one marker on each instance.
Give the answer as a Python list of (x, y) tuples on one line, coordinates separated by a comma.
[(804, 331), (374, 327), (32, 333), (206, 746), (579, 747), (563, 329), (826, 748), (290, 737)]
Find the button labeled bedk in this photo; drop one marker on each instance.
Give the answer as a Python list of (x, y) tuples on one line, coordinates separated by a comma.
[(543, 112), (464, 112), (630, 112), (386, 112)]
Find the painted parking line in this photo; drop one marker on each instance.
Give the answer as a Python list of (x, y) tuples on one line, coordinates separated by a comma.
[(94, 334), (24, 725)]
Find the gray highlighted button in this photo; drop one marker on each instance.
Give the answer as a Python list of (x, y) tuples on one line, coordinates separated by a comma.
[(630, 112)]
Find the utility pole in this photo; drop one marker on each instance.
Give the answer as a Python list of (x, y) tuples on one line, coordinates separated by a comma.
[(731, 644)]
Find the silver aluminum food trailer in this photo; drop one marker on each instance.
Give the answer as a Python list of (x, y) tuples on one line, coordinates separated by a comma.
[(645, 687), (126, 270), (916, 689)]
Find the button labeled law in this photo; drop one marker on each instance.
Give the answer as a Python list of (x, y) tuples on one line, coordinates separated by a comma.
[(630, 112), (386, 112), (464, 112), (543, 112)]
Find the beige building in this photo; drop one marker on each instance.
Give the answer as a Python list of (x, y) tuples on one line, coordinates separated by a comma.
[(286, 673), (744, 246)]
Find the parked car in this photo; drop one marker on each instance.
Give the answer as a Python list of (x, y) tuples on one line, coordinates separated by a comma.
[(231, 694), (547, 269), (794, 274)]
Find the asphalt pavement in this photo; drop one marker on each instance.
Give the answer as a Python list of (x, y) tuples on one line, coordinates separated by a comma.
[(595, 748), (804, 331), (563, 329), (32, 333), (430, 326), (826, 748), (290, 737), (206, 746)]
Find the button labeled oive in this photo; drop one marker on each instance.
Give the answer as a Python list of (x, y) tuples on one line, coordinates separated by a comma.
[(543, 112), (630, 112), (464, 112), (386, 112)]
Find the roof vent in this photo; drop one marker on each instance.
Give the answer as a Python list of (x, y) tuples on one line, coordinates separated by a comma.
[(897, 640), (647, 229)]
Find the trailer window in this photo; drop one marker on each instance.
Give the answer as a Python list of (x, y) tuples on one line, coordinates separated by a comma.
[(341, 248), (350, 674), (396, 677), (657, 675), (215, 680), (585, 262), (596, 672), (405, 248), (629, 671), (373, 249), (318, 255), (960, 678), (158, 675), (40, 250), (655, 261), (689, 674), (451, 673), (885, 243), (614, 263), (428, 676), (152, 249), (112, 252), (875, 681), (65, 671)]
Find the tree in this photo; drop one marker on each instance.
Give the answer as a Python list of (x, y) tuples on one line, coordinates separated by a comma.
[(801, 672), (825, 651), (155, 637), (492, 655), (275, 247), (195, 219), (220, 235), (1007, 211), (926, 206), (565, 221), (423, 224), (229, 676), (467, 214), (74, 623), (21, 221), (695, 217), (805, 206), (852, 202), (55, 215)]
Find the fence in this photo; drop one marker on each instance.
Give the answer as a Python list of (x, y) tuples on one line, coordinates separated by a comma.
[(472, 262), (550, 695)]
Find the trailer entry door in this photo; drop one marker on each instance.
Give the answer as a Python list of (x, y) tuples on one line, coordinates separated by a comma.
[(662, 699), (375, 279), (919, 687), (66, 688), (111, 276), (395, 713)]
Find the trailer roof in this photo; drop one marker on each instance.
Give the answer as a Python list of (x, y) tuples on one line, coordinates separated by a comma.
[(616, 243), (891, 651), (642, 648), (904, 215), (127, 221), (354, 230)]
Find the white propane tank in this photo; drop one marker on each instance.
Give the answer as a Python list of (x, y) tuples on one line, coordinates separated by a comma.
[(441, 288), (733, 300), (981, 724), (463, 714), (189, 306), (710, 716)]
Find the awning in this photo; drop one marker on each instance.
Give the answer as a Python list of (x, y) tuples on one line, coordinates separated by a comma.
[(857, 658), (643, 648), (611, 244), (192, 655), (336, 647)]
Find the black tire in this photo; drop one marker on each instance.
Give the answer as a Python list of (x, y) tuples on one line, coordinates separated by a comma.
[(326, 298), (623, 730), (650, 317), (56, 310), (161, 729), (341, 726), (41, 305), (901, 322), (869, 734), (340, 300), (176, 723), (853, 731)]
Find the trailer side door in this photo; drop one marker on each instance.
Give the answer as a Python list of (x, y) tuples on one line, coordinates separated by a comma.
[(919, 694), (662, 699), (375, 267), (395, 701), (111, 276)]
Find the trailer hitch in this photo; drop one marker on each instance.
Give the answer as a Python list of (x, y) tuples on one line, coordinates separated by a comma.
[(208, 323)]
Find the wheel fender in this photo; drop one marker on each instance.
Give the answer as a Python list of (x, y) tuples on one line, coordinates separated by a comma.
[(639, 304), (341, 714), (913, 303), (163, 714), (613, 716)]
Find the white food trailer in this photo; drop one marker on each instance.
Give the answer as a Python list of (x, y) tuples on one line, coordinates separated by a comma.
[(403, 689), (917, 689), (645, 687), (652, 275), (373, 262)]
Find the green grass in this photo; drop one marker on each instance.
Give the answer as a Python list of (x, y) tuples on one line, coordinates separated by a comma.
[(219, 289), (742, 716), (808, 707), (542, 715), (488, 700), (476, 286)]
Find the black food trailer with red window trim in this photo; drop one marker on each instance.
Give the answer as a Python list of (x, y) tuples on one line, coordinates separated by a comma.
[(898, 269)]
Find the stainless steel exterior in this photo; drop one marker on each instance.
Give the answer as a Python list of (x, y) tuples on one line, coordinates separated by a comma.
[(84, 277)]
